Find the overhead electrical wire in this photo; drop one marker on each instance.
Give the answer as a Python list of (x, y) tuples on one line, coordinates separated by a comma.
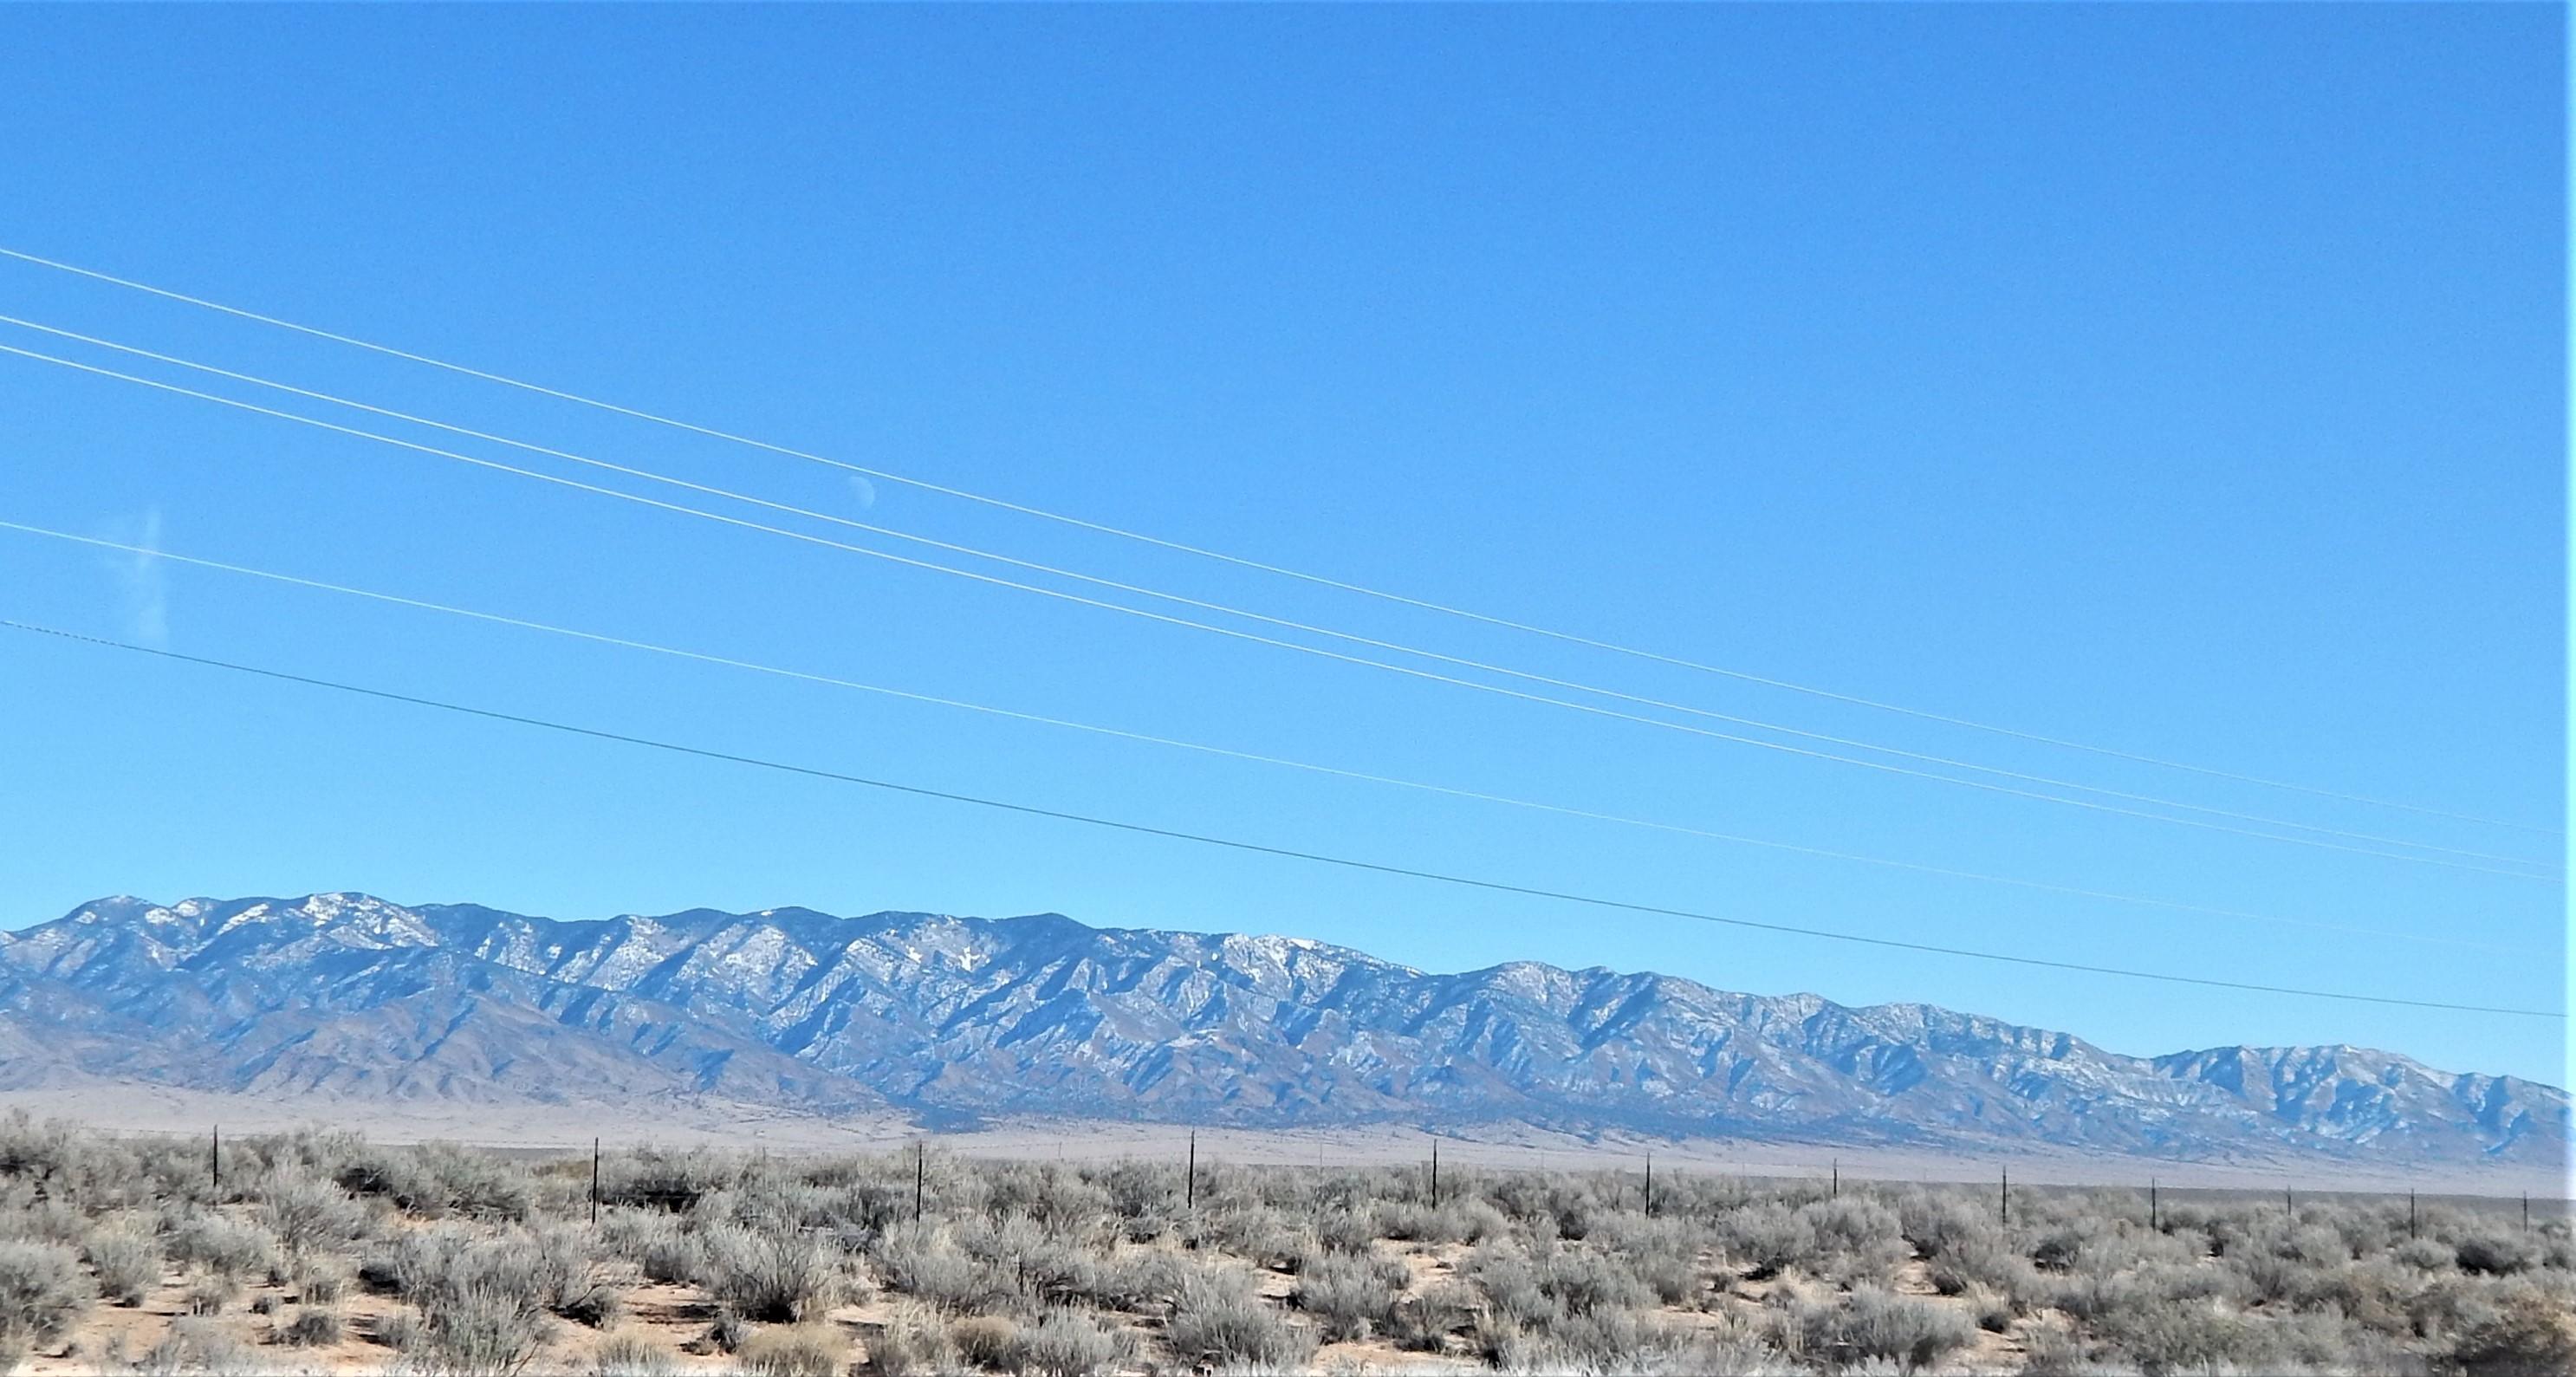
[(1291, 645), (1265, 849), (1222, 608), (1244, 562), (834, 681)]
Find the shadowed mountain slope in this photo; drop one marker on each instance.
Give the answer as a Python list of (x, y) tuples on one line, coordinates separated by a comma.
[(348, 996)]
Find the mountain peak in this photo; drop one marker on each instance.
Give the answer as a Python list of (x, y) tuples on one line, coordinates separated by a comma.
[(1043, 1015)]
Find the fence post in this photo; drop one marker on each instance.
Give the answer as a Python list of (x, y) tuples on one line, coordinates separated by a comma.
[(2154, 1224), (1190, 1175), (215, 1163), (594, 1180), (920, 1173), (1838, 1178), (1435, 1173), (1650, 1185), (2289, 1201), (2410, 1215), (2526, 1212), (2006, 1198)]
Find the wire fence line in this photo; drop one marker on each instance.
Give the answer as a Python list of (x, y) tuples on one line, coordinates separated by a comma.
[(906, 1156)]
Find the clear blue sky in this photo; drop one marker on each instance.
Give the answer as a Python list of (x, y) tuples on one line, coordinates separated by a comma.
[(2185, 379)]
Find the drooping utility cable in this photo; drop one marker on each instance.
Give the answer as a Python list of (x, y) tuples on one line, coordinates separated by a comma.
[(2316, 841), (1247, 563), (807, 676), (1204, 605), (1264, 849)]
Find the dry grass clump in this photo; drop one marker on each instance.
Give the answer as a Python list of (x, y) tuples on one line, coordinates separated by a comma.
[(210, 1293), (41, 1288), (629, 1354), (1350, 1295), (126, 1262), (914, 1339), (794, 1350), (1068, 1343), (986, 1341), (199, 1346), (314, 1326), (1871, 1322), (1219, 1321), (306, 1214), (770, 1276), (436, 1180), (481, 1302), (205, 1240)]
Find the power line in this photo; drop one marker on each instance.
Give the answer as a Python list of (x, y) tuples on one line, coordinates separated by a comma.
[(1227, 610), (1223, 751), (1254, 564), (1362, 660), (1307, 649), (1263, 849)]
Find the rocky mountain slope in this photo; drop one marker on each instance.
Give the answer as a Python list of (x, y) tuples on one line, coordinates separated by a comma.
[(350, 996)]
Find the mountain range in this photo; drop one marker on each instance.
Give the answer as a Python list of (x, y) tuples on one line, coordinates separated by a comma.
[(951, 1020)]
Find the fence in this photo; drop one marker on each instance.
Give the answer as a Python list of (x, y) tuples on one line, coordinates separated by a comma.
[(1460, 1153)]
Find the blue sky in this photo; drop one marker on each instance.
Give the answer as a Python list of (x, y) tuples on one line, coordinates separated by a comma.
[(2186, 380)]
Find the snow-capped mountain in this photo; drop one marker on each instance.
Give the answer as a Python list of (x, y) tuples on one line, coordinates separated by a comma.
[(348, 995)]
